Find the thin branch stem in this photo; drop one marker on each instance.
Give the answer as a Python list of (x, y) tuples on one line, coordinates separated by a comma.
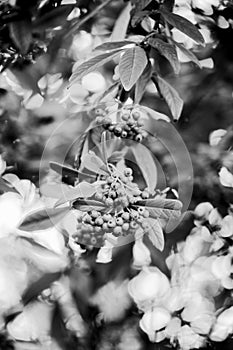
[(79, 24)]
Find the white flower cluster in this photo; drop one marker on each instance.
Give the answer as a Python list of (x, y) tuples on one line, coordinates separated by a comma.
[(189, 9), (183, 309), (25, 256)]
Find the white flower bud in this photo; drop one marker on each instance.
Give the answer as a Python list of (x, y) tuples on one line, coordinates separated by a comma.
[(2, 165), (154, 320), (216, 136), (202, 210), (227, 226), (104, 255), (173, 327), (226, 177), (149, 284), (11, 212), (223, 326), (188, 339), (141, 254), (214, 217)]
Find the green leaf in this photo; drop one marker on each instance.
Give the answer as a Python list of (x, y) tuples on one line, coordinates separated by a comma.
[(116, 156), (171, 96), (5, 186), (187, 52), (168, 51), (83, 190), (53, 190), (169, 4), (142, 82), (154, 114), (147, 24), (113, 45), (92, 64), (138, 17), (104, 146), (29, 77), (146, 164), (94, 164), (52, 19), (89, 204), (65, 170), (162, 208), (43, 219), (121, 24), (132, 64), (21, 35), (108, 91), (155, 233), (140, 4), (183, 25)]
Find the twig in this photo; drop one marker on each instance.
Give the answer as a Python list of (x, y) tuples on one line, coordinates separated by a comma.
[(76, 26)]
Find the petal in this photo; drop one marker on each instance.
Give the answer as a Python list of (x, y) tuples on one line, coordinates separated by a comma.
[(141, 254), (225, 177)]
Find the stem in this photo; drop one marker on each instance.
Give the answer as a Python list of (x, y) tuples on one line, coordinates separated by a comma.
[(76, 26)]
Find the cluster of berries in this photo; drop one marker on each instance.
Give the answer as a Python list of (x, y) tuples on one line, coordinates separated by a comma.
[(129, 127), (121, 217), (120, 191), (93, 225)]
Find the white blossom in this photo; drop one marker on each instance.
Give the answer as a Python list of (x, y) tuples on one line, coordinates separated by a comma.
[(226, 177), (141, 254), (153, 321), (148, 286)]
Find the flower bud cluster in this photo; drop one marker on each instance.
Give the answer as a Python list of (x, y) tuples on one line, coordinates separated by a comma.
[(120, 217), (129, 126)]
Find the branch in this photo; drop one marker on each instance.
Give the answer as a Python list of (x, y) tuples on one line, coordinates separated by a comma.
[(79, 24)]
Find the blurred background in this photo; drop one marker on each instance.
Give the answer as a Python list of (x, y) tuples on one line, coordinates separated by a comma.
[(36, 105)]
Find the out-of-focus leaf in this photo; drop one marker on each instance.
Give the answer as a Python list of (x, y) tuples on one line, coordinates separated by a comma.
[(168, 51), (171, 96), (52, 19), (146, 164), (132, 64), (28, 78), (43, 258), (70, 314), (121, 24), (108, 91), (154, 114), (93, 64), (142, 83), (83, 190), (169, 4), (65, 170), (187, 52), (116, 156), (54, 190), (138, 17), (113, 45), (38, 285), (148, 24), (94, 164), (140, 4), (155, 233), (21, 35), (6, 187), (43, 219), (103, 146), (183, 25), (33, 323)]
